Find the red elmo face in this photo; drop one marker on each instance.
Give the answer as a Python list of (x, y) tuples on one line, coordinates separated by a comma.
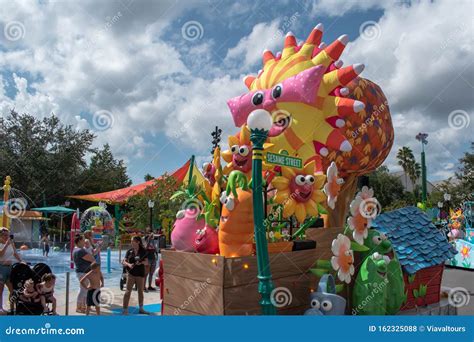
[(301, 187), (209, 171), (242, 157)]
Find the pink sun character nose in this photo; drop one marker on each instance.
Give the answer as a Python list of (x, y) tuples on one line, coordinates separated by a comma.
[(269, 104)]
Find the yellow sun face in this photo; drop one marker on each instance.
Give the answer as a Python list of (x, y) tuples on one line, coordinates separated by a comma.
[(299, 191)]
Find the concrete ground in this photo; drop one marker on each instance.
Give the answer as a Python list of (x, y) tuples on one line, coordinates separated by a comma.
[(464, 280)]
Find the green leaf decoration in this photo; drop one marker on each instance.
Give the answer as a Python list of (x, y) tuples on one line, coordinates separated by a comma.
[(422, 290), (358, 247), (177, 194), (339, 288), (304, 226), (322, 210), (415, 293), (411, 278), (236, 178), (323, 264)]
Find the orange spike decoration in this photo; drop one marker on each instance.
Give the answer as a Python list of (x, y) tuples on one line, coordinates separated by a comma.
[(320, 110)]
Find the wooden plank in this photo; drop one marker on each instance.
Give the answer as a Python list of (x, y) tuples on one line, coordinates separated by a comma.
[(291, 292), (170, 310), (196, 266), (323, 238), (243, 271), (197, 296)]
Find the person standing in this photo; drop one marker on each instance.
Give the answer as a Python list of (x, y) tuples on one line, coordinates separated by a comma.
[(82, 261), (93, 280), (45, 242), (8, 256), (152, 257), (135, 261), (92, 248)]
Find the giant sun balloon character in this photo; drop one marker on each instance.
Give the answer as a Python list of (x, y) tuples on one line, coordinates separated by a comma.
[(320, 110)]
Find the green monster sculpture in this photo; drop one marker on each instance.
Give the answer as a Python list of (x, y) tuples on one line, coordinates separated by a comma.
[(379, 288)]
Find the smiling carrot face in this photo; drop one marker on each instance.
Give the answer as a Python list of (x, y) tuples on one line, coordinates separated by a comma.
[(236, 229)]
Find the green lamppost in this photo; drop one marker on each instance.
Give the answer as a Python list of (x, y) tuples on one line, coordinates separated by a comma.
[(422, 138), (259, 123)]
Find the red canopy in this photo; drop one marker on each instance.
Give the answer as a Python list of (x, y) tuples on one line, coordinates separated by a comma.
[(122, 195)]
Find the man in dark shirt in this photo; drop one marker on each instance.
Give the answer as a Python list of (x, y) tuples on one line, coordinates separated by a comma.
[(82, 261)]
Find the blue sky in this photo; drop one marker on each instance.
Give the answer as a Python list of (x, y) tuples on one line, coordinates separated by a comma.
[(130, 71)]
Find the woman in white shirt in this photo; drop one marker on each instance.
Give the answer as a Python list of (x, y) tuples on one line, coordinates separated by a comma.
[(8, 256)]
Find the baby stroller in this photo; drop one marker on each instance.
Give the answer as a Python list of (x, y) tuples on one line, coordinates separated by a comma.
[(19, 275)]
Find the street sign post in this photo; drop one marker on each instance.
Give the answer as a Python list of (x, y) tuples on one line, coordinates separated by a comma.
[(284, 160)]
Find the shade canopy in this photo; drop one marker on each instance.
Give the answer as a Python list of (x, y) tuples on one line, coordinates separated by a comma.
[(120, 196), (55, 210)]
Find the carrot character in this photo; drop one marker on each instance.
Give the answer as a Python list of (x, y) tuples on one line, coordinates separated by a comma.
[(236, 228)]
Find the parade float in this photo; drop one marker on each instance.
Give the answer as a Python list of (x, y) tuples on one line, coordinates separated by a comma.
[(461, 235), (251, 239)]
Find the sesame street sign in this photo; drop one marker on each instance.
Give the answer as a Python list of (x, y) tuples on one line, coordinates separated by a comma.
[(284, 160)]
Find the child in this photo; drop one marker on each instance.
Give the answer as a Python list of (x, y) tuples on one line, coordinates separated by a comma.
[(29, 293), (93, 281), (46, 291)]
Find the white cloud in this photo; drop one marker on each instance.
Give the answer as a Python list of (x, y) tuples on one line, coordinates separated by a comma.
[(250, 48)]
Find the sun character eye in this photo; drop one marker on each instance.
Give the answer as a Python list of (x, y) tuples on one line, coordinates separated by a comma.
[(377, 240), (277, 90), (244, 151), (257, 98), (180, 214), (315, 304), (300, 180), (309, 179), (383, 236), (234, 149), (229, 203), (326, 305)]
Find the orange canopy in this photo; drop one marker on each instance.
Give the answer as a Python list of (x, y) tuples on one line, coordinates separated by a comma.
[(122, 195)]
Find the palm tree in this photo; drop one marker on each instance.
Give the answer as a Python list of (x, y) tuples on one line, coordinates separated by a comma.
[(405, 159), (414, 171)]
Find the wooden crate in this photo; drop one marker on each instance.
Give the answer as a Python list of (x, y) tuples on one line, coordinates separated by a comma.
[(202, 284)]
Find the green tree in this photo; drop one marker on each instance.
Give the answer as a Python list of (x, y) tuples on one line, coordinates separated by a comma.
[(388, 189), (104, 173), (44, 157), (148, 177), (461, 186), (406, 160), (164, 208)]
